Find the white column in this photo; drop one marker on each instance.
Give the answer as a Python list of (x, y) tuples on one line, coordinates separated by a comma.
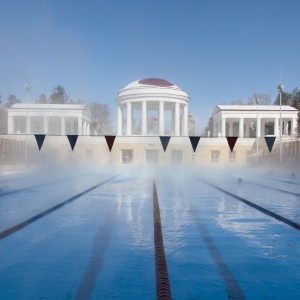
[(120, 121), (293, 126), (88, 129), (128, 131), (241, 128), (223, 127), (177, 118), (161, 118), (258, 125), (144, 118), (186, 121), (80, 126), (63, 126), (10, 124), (276, 127)]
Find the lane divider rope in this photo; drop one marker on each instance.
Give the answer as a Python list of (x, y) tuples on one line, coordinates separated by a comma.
[(256, 206), (163, 290), (37, 186)]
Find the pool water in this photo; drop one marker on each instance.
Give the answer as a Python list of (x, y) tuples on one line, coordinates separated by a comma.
[(101, 244)]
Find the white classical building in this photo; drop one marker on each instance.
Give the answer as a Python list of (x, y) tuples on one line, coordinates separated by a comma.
[(235, 120), (53, 119), (152, 106)]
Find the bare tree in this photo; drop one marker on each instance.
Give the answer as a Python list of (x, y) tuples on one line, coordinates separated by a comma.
[(101, 120), (238, 102), (264, 99)]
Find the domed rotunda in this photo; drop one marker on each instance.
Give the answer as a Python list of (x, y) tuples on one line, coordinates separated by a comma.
[(152, 106)]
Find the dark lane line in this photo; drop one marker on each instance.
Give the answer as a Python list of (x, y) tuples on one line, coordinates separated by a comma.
[(262, 185), (232, 286), (100, 244), (21, 225), (285, 181), (253, 205), (275, 189), (13, 179), (163, 290), (37, 186)]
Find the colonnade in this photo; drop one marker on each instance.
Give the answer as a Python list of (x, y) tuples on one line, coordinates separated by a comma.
[(179, 116), (219, 127), (15, 125)]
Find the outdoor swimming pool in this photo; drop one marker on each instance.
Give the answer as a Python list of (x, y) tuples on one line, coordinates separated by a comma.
[(99, 243)]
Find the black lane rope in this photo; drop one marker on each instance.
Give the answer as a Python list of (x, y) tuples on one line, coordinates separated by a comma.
[(37, 186), (275, 189), (21, 225), (163, 290), (253, 205), (285, 181), (232, 287), (100, 244), (265, 186)]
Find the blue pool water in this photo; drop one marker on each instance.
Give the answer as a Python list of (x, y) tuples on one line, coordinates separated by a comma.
[(100, 246)]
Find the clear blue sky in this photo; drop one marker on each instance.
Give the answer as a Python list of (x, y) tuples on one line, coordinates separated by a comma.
[(217, 51)]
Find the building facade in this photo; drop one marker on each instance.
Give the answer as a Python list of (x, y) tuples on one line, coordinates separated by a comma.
[(147, 110)]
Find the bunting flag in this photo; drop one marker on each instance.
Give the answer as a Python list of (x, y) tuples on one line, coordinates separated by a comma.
[(72, 140), (194, 141), (110, 139), (164, 141), (231, 140), (270, 142), (40, 140)]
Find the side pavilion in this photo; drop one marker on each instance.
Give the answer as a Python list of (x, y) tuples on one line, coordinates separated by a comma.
[(236, 120)]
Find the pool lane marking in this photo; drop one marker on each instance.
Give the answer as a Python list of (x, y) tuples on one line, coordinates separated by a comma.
[(100, 244), (37, 186), (265, 186), (275, 189), (233, 289), (21, 225), (163, 290), (285, 181), (253, 205)]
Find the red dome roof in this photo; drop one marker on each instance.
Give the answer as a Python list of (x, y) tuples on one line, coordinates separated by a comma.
[(155, 81)]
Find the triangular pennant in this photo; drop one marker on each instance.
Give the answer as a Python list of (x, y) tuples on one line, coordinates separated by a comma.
[(194, 141), (110, 139), (40, 140), (270, 142), (164, 141), (231, 141), (72, 140)]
